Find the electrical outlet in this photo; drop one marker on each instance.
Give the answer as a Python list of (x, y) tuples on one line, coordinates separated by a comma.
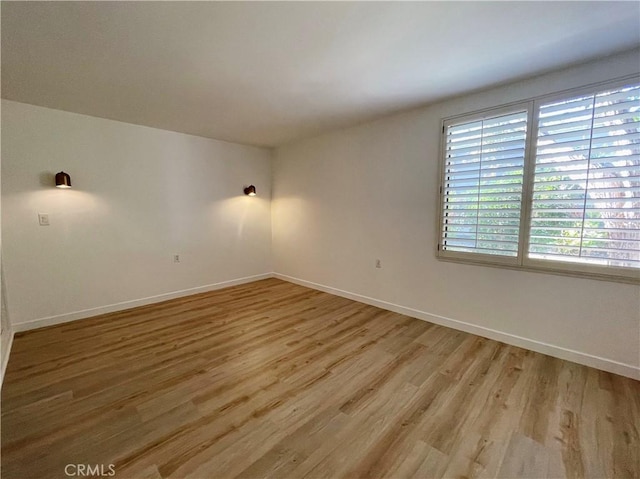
[(378, 263), (176, 258), (43, 219)]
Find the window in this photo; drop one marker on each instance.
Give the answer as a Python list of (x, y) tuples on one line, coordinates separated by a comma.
[(551, 184), (484, 171)]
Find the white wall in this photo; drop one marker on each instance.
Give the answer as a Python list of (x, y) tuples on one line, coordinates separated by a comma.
[(343, 199), (6, 330), (139, 196)]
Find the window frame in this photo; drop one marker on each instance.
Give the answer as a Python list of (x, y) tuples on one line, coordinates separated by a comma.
[(522, 261), (461, 119)]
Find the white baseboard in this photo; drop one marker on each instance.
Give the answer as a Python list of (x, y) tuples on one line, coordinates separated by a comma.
[(605, 364), (5, 358), (110, 308), (597, 362)]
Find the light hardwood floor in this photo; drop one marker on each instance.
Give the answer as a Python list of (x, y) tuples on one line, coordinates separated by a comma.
[(271, 379)]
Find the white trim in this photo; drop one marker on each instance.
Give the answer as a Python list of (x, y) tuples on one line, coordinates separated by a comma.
[(110, 308), (586, 359), (5, 357)]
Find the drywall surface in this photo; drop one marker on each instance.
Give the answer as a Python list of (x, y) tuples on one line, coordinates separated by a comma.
[(139, 197), (6, 331), (344, 199)]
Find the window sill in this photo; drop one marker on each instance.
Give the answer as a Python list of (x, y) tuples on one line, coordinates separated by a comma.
[(632, 278)]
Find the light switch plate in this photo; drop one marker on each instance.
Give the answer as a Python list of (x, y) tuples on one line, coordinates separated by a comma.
[(43, 219)]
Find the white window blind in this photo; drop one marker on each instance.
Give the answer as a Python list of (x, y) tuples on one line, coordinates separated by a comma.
[(585, 205), (482, 188)]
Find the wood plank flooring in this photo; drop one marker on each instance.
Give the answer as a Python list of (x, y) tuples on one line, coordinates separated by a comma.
[(271, 379)]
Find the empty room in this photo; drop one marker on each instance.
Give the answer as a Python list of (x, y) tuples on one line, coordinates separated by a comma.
[(320, 240)]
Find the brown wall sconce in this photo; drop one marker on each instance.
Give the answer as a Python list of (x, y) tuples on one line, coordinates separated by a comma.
[(250, 190), (63, 180)]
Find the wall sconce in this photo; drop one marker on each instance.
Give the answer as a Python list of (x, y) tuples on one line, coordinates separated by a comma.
[(250, 190), (63, 180)]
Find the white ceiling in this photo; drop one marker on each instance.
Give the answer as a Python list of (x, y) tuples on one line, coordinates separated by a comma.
[(267, 73)]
